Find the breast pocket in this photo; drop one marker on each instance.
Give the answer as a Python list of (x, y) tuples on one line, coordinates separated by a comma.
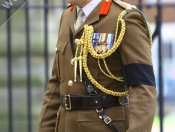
[(60, 51)]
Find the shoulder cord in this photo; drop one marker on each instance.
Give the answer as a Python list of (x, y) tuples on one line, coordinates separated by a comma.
[(86, 43), (86, 47)]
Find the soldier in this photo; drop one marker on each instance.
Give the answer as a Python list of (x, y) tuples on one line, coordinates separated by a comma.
[(101, 92)]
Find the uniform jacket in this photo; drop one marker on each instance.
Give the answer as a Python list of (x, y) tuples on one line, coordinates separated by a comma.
[(134, 49)]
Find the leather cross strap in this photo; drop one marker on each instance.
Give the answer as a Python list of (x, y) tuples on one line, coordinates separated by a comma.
[(107, 120), (89, 86)]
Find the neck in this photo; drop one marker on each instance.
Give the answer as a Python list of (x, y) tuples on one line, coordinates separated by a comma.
[(84, 4)]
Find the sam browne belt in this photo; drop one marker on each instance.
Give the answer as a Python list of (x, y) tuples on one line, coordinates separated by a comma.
[(79, 102)]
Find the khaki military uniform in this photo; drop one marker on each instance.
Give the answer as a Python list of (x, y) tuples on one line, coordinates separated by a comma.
[(134, 49)]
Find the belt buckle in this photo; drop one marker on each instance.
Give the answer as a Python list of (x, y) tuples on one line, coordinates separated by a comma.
[(107, 120), (124, 100), (67, 102)]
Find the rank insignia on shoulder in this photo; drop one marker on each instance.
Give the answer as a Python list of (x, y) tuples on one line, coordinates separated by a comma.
[(125, 5), (102, 42)]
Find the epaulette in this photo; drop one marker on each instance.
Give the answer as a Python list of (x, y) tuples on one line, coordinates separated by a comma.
[(125, 5), (130, 7)]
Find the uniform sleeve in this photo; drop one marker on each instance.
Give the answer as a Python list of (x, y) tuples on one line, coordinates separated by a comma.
[(51, 103), (50, 107), (138, 71)]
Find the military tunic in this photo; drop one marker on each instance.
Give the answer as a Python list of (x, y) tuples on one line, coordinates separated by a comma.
[(134, 50)]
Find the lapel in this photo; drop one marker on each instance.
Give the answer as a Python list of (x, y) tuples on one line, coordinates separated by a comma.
[(72, 16), (93, 17)]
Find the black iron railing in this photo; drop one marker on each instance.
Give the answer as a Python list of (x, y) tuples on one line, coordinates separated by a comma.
[(46, 8)]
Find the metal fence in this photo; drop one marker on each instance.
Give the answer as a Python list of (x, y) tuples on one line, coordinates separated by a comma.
[(46, 7)]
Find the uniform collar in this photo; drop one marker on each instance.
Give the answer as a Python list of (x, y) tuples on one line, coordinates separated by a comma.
[(93, 17)]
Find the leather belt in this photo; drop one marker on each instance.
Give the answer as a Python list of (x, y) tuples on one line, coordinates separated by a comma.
[(77, 102)]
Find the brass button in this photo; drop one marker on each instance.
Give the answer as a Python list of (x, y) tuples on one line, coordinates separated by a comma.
[(76, 40), (70, 83), (72, 61), (100, 117)]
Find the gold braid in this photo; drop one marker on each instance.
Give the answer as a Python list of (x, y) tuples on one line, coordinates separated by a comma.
[(120, 79), (86, 40)]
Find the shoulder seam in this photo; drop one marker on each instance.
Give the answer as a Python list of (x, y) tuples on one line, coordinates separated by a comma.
[(69, 5)]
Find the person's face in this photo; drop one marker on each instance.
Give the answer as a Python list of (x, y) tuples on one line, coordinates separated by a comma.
[(79, 3)]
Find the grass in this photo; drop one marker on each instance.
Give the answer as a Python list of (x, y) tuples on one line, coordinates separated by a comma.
[(169, 121)]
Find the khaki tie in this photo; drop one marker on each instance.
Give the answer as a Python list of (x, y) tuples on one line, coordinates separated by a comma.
[(79, 21)]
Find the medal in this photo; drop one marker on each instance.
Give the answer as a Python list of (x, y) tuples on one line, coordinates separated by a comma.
[(102, 42)]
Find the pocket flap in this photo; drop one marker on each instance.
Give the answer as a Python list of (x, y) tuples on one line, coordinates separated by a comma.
[(115, 113), (61, 45)]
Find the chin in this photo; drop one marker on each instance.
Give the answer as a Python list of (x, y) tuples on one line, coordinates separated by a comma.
[(71, 2)]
